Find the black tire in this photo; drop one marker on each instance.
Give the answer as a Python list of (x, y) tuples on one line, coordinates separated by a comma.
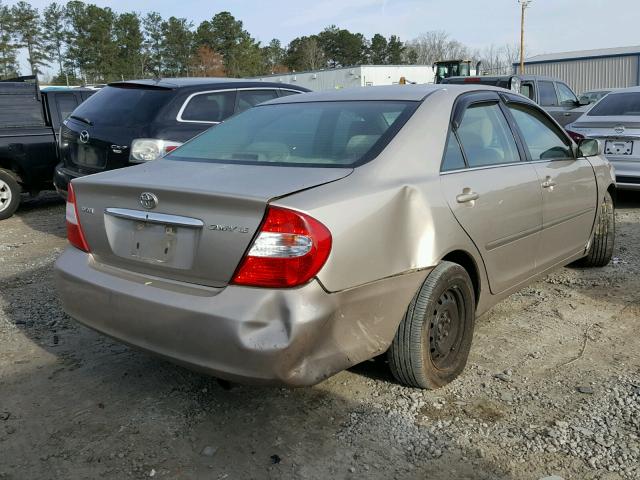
[(432, 343), (602, 242), (9, 194)]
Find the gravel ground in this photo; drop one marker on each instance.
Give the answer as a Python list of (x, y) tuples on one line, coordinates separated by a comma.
[(552, 388)]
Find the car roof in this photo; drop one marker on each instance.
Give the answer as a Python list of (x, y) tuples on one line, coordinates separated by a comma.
[(413, 93), (216, 82), (625, 90)]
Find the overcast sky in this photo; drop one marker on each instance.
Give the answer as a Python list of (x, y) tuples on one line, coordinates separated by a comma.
[(551, 25)]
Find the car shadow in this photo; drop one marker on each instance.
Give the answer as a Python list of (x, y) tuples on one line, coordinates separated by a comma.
[(44, 213), (89, 407)]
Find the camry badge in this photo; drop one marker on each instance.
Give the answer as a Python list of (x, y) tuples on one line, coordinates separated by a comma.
[(619, 129), (84, 136), (148, 200)]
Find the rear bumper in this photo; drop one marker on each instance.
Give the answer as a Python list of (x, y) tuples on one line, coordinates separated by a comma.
[(294, 337), (627, 172), (61, 179)]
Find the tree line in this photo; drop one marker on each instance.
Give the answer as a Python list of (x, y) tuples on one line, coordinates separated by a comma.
[(85, 43)]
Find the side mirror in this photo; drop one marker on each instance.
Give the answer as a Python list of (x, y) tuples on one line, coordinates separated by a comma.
[(590, 147), (583, 101)]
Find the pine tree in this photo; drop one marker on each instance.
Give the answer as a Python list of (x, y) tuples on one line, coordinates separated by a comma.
[(8, 49), (54, 26), (28, 31)]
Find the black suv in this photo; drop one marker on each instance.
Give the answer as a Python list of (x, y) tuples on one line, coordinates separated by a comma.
[(141, 120)]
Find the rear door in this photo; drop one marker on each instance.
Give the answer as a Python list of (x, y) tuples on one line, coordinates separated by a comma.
[(569, 191), (493, 193)]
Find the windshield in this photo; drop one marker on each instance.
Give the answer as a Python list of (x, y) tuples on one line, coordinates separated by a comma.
[(122, 106), (303, 134), (616, 104)]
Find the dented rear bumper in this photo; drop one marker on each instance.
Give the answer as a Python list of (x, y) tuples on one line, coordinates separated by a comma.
[(252, 335)]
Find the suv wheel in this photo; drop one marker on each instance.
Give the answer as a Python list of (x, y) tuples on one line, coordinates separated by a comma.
[(9, 194), (432, 343)]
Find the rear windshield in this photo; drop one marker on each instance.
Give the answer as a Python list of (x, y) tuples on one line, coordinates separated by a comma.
[(122, 106), (303, 134), (617, 104)]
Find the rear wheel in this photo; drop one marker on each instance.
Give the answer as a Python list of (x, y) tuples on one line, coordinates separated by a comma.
[(602, 242), (9, 194), (432, 343)]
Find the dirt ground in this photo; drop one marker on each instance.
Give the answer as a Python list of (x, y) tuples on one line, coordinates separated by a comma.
[(552, 388)]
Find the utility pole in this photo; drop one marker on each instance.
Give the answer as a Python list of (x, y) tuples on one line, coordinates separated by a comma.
[(523, 6)]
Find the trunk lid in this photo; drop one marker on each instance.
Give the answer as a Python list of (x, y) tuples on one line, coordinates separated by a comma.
[(205, 218)]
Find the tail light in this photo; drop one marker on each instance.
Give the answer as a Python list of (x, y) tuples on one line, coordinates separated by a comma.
[(575, 135), (290, 249), (148, 149), (74, 229)]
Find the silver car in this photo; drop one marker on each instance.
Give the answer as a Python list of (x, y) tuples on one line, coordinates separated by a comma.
[(615, 120), (317, 231)]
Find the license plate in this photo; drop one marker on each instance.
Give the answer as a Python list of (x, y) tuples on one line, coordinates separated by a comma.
[(615, 147), (89, 156), (154, 243)]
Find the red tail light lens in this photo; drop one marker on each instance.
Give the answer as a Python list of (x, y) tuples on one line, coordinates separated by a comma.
[(289, 250), (575, 135), (74, 230)]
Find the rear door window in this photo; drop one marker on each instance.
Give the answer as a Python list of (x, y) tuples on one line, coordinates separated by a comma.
[(486, 137), (526, 89), (540, 135), (209, 107), (453, 158), (286, 93), (66, 103), (547, 94), (249, 98)]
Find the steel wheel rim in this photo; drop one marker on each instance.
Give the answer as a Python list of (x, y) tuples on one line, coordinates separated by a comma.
[(446, 327), (5, 195)]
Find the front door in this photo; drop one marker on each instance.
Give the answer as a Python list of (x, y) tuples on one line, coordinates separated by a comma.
[(494, 195), (569, 192)]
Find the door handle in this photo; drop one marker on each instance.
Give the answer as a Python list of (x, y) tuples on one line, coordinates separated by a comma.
[(548, 183), (467, 196), (567, 114)]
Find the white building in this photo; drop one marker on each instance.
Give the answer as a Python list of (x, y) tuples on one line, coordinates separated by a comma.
[(589, 69), (360, 76)]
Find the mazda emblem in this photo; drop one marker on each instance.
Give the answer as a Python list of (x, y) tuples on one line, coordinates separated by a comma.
[(148, 200), (84, 136)]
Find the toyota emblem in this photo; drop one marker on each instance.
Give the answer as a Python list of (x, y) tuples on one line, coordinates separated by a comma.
[(84, 136), (619, 129), (148, 200)]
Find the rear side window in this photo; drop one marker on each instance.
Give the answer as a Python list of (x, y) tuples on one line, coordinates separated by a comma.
[(123, 106), (249, 98), (486, 137), (210, 107), (286, 93), (547, 94), (526, 89), (617, 104), (303, 134), (565, 96), (20, 111), (453, 158), (540, 135), (66, 103)]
